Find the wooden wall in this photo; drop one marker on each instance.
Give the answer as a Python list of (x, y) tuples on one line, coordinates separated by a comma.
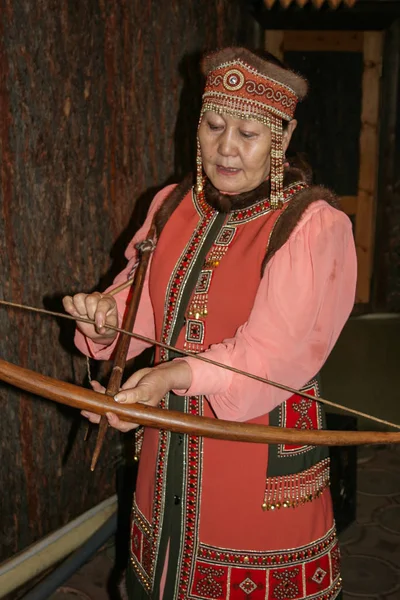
[(98, 101), (386, 289)]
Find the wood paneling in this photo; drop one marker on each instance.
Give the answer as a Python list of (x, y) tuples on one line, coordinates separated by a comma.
[(317, 3), (274, 42), (98, 101), (348, 204), (365, 217), (325, 41), (386, 283)]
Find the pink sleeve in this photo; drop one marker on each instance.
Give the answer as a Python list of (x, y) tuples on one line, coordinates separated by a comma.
[(304, 299), (145, 318)]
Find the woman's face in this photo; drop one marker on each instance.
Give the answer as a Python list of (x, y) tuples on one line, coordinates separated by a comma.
[(235, 152)]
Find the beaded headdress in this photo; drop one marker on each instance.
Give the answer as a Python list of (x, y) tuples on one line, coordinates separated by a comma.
[(243, 85)]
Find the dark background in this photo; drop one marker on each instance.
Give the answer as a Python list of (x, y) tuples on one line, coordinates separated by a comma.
[(99, 101)]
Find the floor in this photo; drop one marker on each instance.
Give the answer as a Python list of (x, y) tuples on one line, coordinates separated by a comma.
[(362, 372)]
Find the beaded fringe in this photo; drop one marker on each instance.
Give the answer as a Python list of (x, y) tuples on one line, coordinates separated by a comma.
[(290, 491)]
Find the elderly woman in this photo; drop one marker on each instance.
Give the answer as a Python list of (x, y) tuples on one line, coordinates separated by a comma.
[(255, 269)]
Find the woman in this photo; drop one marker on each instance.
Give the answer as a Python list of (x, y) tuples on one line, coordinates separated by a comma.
[(256, 270)]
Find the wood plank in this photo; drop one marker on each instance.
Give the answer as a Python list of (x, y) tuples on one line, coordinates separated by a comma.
[(365, 221), (348, 204), (273, 42), (317, 3), (323, 41), (386, 281)]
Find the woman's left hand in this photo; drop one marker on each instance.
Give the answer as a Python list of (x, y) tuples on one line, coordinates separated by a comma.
[(149, 386)]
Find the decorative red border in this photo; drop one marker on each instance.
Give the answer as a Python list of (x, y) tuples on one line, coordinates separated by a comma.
[(191, 511), (237, 82), (244, 215), (301, 413), (309, 572), (173, 297), (141, 543), (181, 272)]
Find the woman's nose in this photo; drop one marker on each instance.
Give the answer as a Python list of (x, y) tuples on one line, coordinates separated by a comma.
[(226, 146)]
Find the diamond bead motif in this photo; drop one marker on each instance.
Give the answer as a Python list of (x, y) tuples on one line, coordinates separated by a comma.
[(248, 586)]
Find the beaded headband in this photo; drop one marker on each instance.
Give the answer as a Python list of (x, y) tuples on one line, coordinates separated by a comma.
[(240, 88), (241, 84)]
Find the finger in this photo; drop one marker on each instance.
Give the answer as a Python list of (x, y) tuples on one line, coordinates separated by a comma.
[(134, 379), (142, 393), (97, 386), (91, 303), (117, 423), (106, 313), (79, 301), (93, 417), (69, 306)]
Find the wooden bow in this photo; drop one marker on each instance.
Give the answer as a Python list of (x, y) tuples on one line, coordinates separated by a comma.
[(84, 399), (176, 421)]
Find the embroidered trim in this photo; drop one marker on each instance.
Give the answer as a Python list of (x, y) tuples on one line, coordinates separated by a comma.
[(259, 94), (198, 307), (202, 207), (309, 572), (204, 281), (181, 273), (141, 539), (194, 333), (139, 433), (244, 215), (290, 491), (174, 292), (251, 70), (300, 413), (144, 560), (260, 560), (191, 511), (159, 495)]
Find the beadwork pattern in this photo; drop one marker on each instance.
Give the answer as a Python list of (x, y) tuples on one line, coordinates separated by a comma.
[(309, 572), (193, 469), (241, 216), (300, 413), (290, 491), (198, 308), (255, 91)]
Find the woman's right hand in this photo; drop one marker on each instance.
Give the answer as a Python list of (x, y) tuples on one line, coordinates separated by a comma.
[(99, 308)]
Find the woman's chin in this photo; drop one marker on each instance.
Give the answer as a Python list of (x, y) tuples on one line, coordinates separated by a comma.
[(227, 185)]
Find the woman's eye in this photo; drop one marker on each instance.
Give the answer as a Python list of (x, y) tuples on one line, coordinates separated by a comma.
[(248, 134), (214, 127)]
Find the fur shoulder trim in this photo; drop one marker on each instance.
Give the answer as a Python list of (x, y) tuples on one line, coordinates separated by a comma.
[(171, 202), (292, 214)]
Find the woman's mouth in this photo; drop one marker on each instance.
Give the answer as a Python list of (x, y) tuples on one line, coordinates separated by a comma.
[(227, 171)]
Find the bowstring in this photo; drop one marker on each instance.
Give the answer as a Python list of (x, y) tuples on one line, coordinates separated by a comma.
[(203, 359)]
